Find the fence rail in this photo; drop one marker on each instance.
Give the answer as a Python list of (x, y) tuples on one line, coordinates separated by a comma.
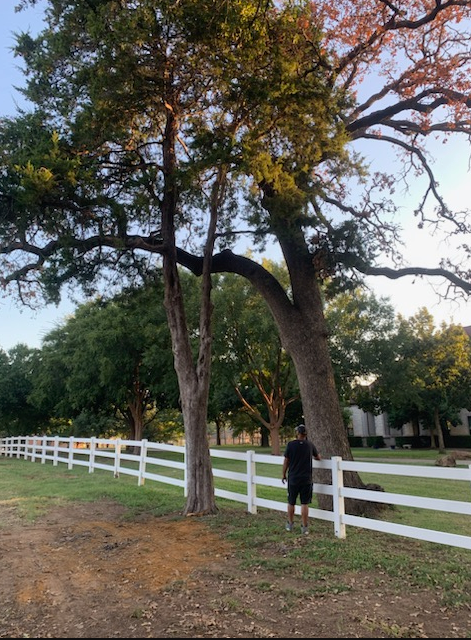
[(166, 463)]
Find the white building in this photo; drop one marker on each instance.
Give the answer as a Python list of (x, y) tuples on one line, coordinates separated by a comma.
[(365, 425)]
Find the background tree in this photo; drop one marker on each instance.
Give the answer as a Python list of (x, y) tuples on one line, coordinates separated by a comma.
[(17, 415), (428, 379), (361, 327), (111, 358), (153, 115), (446, 389), (249, 355)]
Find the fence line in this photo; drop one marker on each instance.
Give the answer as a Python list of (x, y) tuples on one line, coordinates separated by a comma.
[(108, 455)]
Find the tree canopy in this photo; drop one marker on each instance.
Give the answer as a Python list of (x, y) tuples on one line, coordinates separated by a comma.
[(172, 129), (269, 90)]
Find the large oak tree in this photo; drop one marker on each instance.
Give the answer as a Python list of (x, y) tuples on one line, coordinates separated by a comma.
[(227, 118)]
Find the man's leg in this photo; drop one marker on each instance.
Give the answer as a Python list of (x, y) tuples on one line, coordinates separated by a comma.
[(292, 495), (306, 498), (290, 513), (290, 521), (304, 514)]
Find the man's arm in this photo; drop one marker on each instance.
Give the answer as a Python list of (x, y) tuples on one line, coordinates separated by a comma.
[(285, 469)]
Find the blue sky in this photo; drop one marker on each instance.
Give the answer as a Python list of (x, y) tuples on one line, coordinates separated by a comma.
[(20, 324)]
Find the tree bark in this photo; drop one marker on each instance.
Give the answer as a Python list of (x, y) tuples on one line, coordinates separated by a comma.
[(303, 332), (193, 378), (200, 483), (438, 428)]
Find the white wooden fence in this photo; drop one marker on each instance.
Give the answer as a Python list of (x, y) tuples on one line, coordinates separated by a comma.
[(109, 456)]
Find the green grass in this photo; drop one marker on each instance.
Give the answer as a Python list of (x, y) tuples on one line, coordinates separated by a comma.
[(398, 454), (320, 563), (33, 487), (326, 564)]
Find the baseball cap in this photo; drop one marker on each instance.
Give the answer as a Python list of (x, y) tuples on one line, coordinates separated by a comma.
[(301, 429)]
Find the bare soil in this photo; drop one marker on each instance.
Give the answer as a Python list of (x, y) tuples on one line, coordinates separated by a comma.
[(85, 571)]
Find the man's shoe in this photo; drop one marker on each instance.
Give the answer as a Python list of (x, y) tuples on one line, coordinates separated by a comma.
[(304, 530), (289, 526)]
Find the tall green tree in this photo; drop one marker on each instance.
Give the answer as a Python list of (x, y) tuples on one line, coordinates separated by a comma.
[(428, 378), (156, 117), (111, 358)]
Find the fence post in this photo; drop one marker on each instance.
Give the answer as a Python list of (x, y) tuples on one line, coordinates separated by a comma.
[(43, 449), (32, 448), (185, 473), (338, 501), (142, 463), (91, 459), (251, 486), (117, 455), (70, 463), (55, 457)]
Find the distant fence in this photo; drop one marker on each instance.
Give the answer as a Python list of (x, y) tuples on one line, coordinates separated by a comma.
[(166, 463)]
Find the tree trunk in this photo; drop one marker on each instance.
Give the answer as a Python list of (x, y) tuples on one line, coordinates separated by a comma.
[(194, 389), (415, 427), (303, 331), (275, 439), (136, 409), (264, 436), (193, 377), (200, 483), (134, 432), (305, 336), (438, 428), (321, 407), (276, 408), (433, 444), (219, 424)]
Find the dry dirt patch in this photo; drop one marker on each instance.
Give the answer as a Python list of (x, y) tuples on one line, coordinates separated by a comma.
[(84, 571)]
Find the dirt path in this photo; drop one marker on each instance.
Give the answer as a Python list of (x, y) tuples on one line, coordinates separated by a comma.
[(83, 571)]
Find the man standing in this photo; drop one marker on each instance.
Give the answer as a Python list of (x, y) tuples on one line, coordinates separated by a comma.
[(298, 465)]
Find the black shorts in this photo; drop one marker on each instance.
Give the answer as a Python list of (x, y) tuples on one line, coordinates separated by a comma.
[(301, 489)]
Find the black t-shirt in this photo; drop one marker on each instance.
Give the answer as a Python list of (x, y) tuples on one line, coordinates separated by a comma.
[(300, 454)]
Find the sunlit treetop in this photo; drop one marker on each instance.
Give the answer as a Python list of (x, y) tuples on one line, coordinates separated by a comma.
[(219, 103)]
